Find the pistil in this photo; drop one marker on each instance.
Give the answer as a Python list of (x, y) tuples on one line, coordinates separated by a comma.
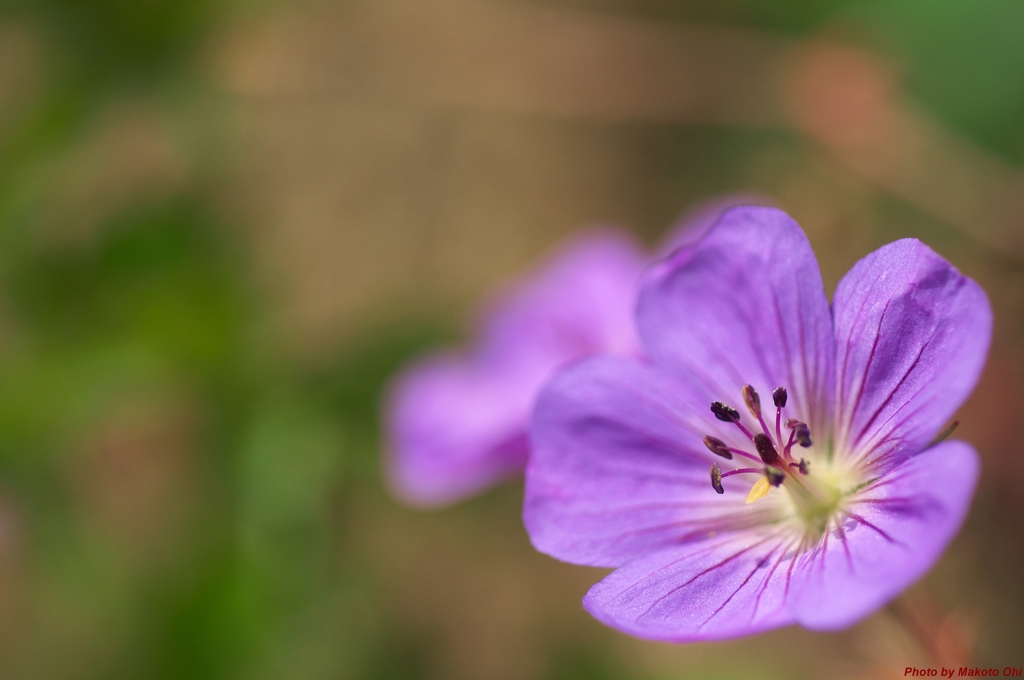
[(815, 501), (718, 447)]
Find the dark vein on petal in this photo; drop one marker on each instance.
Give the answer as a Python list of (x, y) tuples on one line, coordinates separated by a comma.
[(719, 565), (767, 579), (735, 521), (739, 587), (879, 437), (867, 368), (875, 456), (711, 547), (854, 324), (846, 546), (789, 572), (807, 393), (872, 526), (896, 389)]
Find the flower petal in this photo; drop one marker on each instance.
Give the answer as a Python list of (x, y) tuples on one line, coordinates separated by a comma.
[(911, 338), (710, 590), (455, 427), (618, 467), (696, 222), (745, 305), (457, 424), (578, 302), (898, 528)]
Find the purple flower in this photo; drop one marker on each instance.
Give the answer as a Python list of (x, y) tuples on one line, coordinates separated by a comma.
[(809, 492), (457, 422)]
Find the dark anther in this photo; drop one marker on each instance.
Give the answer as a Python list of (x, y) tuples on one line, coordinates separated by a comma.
[(779, 396), (803, 435), (766, 449), (725, 413), (792, 422), (803, 466), (717, 447), (775, 475), (752, 401), (716, 478)]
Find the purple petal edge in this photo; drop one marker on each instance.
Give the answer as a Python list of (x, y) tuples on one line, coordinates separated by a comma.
[(744, 305), (721, 588), (697, 221), (912, 334)]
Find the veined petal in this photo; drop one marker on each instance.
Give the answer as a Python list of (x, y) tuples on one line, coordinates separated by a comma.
[(618, 467), (744, 305), (715, 589), (912, 334), (897, 529)]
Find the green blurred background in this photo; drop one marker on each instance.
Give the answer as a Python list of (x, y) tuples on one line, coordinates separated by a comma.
[(224, 224)]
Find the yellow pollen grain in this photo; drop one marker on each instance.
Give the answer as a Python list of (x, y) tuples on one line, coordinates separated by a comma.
[(759, 490)]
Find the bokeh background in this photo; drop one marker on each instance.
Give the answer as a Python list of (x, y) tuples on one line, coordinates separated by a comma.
[(225, 223)]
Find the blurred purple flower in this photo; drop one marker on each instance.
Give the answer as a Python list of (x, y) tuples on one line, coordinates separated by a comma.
[(457, 422), (850, 501)]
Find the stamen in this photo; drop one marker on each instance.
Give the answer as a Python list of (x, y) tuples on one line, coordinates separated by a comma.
[(727, 414), (717, 475), (716, 478), (776, 465), (803, 435), (717, 447), (774, 475), (801, 431), (743, 471), (803, 466), (752, 401), (766, 449)]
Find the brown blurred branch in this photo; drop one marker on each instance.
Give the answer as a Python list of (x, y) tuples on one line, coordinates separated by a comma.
[(521, 59), (535, 60), (847, 101)]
